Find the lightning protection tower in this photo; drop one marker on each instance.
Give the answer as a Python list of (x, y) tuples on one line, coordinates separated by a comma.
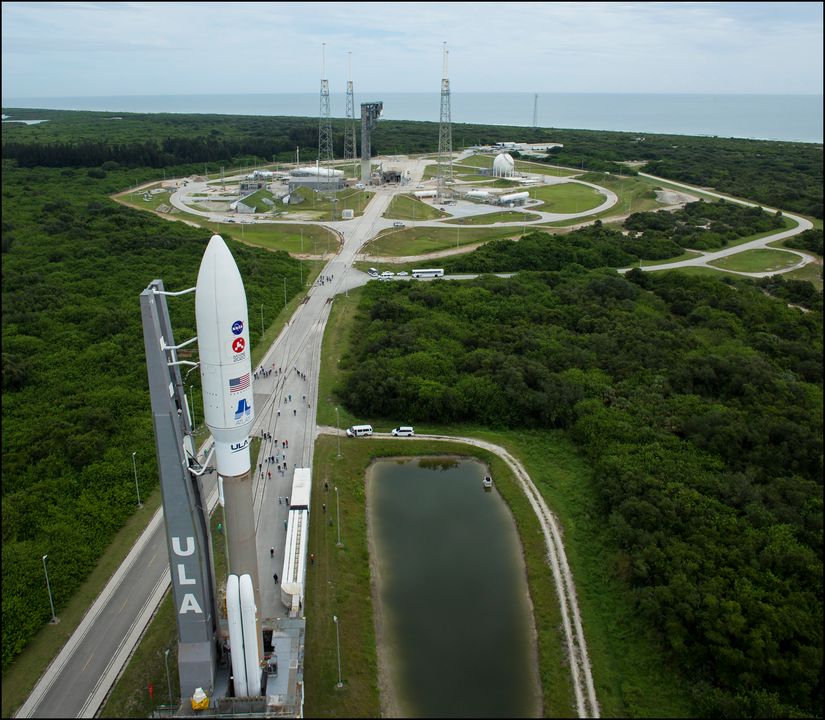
[(445, 136), (349, 123), (324, 132)]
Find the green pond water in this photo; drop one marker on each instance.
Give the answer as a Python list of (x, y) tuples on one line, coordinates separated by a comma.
[(457, 626)]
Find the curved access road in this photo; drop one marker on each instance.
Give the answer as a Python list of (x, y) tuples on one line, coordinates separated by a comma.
[(586, 703), (705, 258)]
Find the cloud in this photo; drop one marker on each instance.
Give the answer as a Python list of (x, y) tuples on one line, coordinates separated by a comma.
[(206, 47)]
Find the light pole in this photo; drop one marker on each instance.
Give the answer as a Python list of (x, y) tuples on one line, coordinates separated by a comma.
[(284, 293), (134, 467), (168, 683), (262, 320), (338, 517), (49, 588), (338, 646), (338, 425)]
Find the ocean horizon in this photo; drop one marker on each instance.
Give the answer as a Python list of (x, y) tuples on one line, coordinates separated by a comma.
[(794, 118)]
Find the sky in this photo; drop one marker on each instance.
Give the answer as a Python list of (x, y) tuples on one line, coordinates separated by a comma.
[(60, 49)]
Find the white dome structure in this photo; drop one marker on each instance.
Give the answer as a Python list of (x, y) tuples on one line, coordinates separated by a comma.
[(503, 165)]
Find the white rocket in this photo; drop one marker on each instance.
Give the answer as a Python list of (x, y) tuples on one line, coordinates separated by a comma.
[(226, 377), (225, 357)]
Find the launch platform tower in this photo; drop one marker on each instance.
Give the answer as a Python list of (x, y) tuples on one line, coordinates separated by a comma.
[(445, 137)]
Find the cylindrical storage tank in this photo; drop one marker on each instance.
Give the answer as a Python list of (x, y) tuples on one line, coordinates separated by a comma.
[(514, 197), (233, 614), (425, 193), (478, 194), (503, 165)]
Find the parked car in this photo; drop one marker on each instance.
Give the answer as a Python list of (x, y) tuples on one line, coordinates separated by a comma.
[(398, 224), (403, 431), (387, 274), (359, 430), (403, 273)]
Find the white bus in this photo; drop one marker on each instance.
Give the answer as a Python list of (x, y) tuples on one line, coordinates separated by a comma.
[(428, 273)]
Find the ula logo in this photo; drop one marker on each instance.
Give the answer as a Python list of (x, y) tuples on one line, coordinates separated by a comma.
[(237, 327), (237, 447)]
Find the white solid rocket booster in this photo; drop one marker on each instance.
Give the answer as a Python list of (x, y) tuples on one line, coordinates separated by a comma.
[(233, 614), (225, 357)]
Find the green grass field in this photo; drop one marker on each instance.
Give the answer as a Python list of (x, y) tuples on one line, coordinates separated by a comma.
[(417, 241), (566, 198), (406, 207), (762, 260), (506, 216)]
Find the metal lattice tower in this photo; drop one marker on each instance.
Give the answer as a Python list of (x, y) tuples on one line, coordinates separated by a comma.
[(349, 124), (445, 136), (325, 129)]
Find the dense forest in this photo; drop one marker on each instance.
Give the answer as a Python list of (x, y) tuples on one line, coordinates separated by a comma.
[(699, 403), (778, 174), (75, 390)]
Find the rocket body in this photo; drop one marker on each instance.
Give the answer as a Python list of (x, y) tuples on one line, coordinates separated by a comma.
[(225, 357), (226, 376)]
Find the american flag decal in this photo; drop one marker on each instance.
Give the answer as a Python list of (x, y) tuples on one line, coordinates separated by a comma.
[(239, 383)]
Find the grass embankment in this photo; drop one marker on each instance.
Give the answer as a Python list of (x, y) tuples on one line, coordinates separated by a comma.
[(421, 240), (339, 582), (405, 207), (761, 260), (321, 208), (630, 669), (22, 675), (507, 216), (569, 197)]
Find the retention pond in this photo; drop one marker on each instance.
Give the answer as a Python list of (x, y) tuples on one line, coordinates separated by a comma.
[(454, 621)]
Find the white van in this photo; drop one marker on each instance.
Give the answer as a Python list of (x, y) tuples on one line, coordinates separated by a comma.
[(359, 430), (403, 431), (373, 272)]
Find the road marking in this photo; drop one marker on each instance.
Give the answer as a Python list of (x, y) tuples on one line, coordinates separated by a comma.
[(123, 606), (87, 663)]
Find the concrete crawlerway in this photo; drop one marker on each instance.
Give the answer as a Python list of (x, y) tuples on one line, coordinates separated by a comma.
[(586, 703)]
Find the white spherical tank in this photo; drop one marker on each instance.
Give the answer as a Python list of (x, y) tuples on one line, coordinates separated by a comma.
[(503, 165)]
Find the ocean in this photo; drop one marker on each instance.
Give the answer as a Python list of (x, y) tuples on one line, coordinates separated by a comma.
[(769, 117)]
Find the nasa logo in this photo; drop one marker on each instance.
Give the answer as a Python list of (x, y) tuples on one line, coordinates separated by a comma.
[(237, 327), (238, 344)]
